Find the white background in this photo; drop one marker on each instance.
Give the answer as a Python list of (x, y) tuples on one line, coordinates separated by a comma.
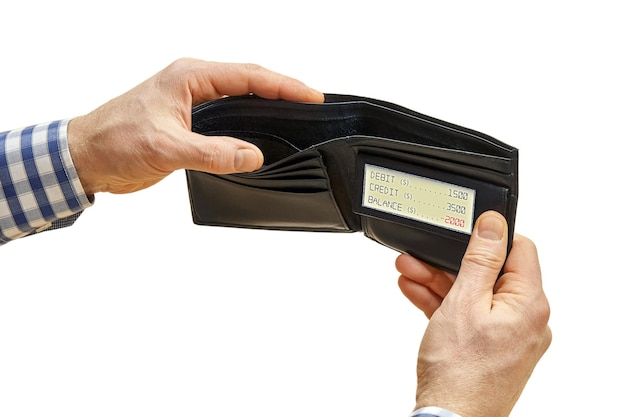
[(135, 311)]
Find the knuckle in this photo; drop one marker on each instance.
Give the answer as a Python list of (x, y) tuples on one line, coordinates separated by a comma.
[(547, 338), (179, 67), (253, 67), (533, 323), (482, 258), (525, 242), (183, 62), (215, 158)]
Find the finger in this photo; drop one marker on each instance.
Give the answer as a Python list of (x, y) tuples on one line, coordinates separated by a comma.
[(210, 80), (520, 287), (522, 265), (216, 154), (483, 260), (524, 260), (250, 78), (421, 296), (521, 281), (436, 280)]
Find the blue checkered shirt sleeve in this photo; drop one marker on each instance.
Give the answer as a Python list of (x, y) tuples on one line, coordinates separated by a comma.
[(39, 187), (433, 412)]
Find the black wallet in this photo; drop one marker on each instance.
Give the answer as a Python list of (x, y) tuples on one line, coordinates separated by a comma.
[(408, 181)]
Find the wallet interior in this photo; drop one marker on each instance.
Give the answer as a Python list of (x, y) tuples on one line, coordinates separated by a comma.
[(341, 165)]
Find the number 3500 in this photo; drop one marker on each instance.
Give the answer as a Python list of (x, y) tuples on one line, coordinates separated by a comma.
[(457, 208)]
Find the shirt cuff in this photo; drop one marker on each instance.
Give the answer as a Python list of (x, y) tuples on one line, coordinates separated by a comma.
[(39, 185), (433, 412)]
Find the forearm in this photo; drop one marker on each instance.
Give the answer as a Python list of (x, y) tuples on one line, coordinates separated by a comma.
[(39, 186)]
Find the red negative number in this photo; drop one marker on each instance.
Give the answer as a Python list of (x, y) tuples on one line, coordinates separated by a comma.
[(454, 221)]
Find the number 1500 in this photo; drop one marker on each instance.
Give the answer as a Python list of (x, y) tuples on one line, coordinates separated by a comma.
[(461, 195)]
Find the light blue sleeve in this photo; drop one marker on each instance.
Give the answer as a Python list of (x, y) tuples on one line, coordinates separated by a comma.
[(433, 412), (39, 186)]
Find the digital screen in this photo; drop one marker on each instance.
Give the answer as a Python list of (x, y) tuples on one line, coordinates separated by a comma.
[(419, 198)]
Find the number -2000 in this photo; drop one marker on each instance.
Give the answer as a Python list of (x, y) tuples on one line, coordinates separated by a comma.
[(454, 221)]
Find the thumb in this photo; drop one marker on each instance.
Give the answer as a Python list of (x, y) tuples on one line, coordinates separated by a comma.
[(483, 259), (219, 154)]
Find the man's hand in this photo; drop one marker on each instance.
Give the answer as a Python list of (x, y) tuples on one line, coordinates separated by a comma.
[(485, 334), (138, 138)]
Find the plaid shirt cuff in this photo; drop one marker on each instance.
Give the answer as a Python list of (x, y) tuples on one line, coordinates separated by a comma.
[(39, 186), (433, 412)]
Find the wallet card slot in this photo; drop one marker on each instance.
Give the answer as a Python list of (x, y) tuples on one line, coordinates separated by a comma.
[(291, 194), (303, 160), (301, 185), (216, 201), (302, 172), (305, 174)]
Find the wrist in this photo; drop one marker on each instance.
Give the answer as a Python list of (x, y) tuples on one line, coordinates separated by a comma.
[(77, 134)]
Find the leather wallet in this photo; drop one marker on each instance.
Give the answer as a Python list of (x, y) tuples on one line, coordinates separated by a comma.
[(408, 181)]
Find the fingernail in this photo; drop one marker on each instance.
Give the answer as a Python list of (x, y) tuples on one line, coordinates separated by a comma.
[(246, 160), (491, 228)]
